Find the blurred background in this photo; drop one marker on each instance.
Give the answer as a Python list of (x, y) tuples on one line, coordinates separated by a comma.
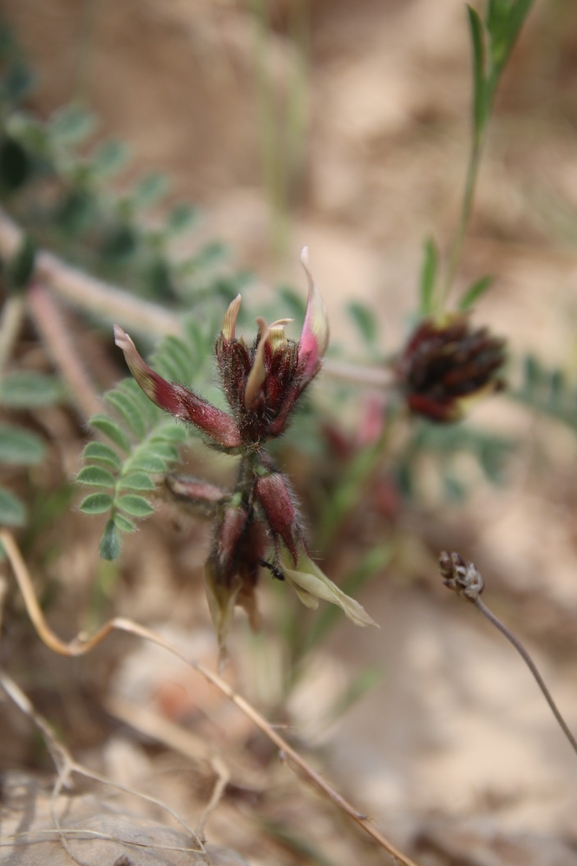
[(344, 126)]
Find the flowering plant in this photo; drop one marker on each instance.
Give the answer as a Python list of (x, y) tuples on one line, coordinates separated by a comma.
[(262, 384)]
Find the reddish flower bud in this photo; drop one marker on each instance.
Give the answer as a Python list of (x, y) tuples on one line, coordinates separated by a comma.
[(179, 401), (275, 497), (231, 571), (199, 495), (445, 366)]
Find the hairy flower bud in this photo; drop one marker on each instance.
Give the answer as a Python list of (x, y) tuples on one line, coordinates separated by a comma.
[(275, 497), (179, 401), (446, 365), (231, 571)]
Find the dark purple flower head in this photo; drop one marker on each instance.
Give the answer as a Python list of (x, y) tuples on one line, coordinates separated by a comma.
[(446, 365)]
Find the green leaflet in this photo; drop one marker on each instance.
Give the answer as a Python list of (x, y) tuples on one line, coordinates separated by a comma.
[(12, 509), (96, 503), (110, 541), (19, 447), (112, 430), (25, 389), (102, 453), (136, 506), (96, 476), (547, 391)]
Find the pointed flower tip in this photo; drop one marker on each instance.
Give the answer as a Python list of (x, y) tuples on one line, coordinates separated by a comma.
[(230, 317), (122, 339), (315, 334)]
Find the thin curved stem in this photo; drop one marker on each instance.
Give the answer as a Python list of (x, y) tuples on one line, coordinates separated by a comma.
[(482, 608)]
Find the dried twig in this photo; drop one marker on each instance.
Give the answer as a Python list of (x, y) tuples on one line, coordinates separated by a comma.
[(180, 740), (82, 644), (464, 579), (66, 766)]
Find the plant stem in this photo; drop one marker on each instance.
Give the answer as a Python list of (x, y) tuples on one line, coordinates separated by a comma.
[(90, 293), (354, 482), (464, 218), (59, 345), (489, 615), (10, 324)]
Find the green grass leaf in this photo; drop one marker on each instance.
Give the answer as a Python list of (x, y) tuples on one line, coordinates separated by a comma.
[(19, 447), (474, 292)]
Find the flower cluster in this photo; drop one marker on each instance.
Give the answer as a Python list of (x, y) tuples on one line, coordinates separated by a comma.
[(447, 364), (262, 384)]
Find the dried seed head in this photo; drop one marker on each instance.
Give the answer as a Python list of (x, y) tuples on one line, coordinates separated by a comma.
[(460, 576)]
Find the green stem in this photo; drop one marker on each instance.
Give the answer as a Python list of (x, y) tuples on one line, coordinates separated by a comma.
[(354, 483), (464, 219)]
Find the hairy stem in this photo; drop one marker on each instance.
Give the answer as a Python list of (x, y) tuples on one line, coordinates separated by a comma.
[(56, 336)]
